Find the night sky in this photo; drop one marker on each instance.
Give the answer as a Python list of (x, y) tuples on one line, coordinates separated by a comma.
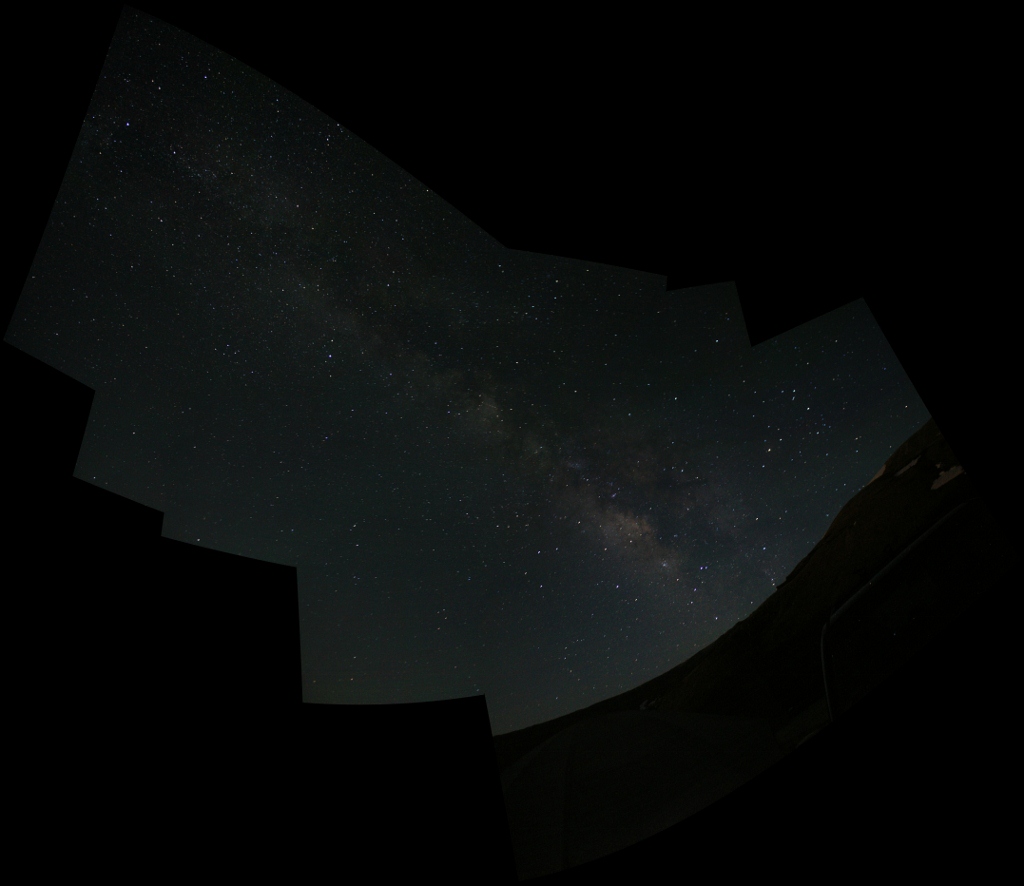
[(542, 479)]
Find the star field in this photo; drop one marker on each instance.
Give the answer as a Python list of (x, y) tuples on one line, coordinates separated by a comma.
[(498, 472)]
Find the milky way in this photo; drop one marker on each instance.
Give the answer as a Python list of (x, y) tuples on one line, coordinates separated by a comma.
[(542, 479)]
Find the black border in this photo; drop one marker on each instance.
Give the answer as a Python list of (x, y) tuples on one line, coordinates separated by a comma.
[(797, 170)]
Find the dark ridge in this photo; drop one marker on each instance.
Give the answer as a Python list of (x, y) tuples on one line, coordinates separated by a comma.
[(768, 664)]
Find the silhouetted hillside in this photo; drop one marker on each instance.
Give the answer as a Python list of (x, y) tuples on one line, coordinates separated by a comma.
[(901, 562), (768, 666)]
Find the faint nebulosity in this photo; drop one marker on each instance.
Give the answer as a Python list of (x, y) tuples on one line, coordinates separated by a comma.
[(542, 479)]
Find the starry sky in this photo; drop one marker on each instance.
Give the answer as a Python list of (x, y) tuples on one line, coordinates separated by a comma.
[(543, 479)]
